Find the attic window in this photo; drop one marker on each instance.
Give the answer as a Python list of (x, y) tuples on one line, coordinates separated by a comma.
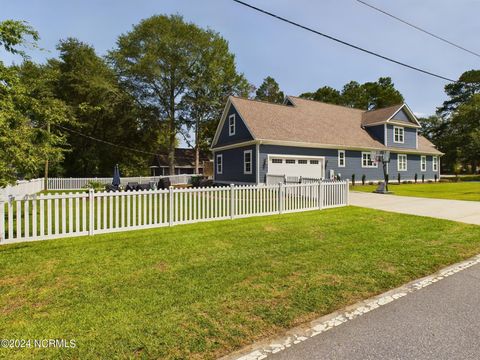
[(231, 125)]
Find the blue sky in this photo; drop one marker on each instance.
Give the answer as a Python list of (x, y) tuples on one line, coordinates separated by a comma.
[(298, 60)]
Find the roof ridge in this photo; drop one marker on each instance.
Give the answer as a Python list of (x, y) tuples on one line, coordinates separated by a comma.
[(326, 103), (259, 101), (384, 108)]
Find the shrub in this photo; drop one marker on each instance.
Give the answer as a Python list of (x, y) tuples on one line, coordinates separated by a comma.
[(399, 178), (436, 177), (416, 177), (95, 185), (196, 181), (423, 178), (353, 179), (363, 179)]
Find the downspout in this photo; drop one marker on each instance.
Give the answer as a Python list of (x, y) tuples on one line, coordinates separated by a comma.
[(257, 157)]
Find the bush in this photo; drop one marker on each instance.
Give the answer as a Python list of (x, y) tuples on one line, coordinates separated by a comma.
[(399, 178), (353, 179), (196, 180), (363, 179), (436, 177), (416, 177), (423, 178), (95, 185)]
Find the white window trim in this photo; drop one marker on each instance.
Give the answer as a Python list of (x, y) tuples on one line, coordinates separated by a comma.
[(435, 163), (220, 156), (423, 163), (398, 162), (403, 134), (245, 163), (368, 166), (231, 124), (344, 158)]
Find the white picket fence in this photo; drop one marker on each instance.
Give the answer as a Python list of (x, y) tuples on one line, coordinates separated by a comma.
[(82, 183), (23, 187), (49, 216)]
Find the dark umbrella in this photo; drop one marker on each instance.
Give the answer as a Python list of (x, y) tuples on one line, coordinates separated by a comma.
[(116, 176)]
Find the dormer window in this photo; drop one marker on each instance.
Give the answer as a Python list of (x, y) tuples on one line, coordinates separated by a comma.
[(398, 134), (231, 125)]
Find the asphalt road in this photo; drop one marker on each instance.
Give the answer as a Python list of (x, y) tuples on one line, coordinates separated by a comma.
[(441, 321)]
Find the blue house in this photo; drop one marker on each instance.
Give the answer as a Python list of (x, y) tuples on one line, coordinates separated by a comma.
[(258, 142)]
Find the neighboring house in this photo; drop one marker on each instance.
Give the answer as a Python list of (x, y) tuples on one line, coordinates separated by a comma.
[(184, 162), (256, 139)]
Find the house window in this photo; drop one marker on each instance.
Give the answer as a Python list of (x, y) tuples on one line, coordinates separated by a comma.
[(303, 162), (219, 164), (402, 162), (435, 163), (290, 161), (277, 161), (341, 158), (367, 161), (313, 162), (231, 125), (398, 135), (423, 163), (247, 162)]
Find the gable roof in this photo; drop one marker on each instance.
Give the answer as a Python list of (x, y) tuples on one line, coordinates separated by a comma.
[(313, 122), (387, 114)]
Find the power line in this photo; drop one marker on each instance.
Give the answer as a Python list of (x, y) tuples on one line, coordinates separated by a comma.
[(104, 141), (419, 28), (344, 42)]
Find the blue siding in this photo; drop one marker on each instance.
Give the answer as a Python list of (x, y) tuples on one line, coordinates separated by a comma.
[(377, 132), (233, 165), (410, 141), (401, 116), (413, 167), (353, 163), (241, 130)]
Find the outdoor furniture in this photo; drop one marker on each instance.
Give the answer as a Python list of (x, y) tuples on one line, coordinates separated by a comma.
[(131, 186), (164, 183)]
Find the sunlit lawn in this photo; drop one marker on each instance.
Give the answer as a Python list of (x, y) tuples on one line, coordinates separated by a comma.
[(458, 191), (203, 290)]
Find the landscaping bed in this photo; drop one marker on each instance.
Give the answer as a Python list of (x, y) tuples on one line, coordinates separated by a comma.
[(204, 290)]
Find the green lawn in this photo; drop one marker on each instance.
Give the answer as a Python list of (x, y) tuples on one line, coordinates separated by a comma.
[(203, 290), (457, 191)]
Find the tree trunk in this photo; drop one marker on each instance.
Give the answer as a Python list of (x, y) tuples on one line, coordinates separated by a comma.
[(197, 147), (172, 132)]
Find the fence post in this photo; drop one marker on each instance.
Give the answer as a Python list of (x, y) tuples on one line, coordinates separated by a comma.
[(170, 206), (320, 195), (232, 201), (91, 212), (347, 195), (280, 198), (2, 219)]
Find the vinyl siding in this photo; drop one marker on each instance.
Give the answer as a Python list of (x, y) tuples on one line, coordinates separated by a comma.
[(233, 165), (241, 131), (377, 132), (401, 116), (353, 163), (410, 138)]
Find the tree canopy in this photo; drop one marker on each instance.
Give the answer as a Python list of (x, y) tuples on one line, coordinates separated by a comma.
[(165, 63), (367, 96), (270, 91)]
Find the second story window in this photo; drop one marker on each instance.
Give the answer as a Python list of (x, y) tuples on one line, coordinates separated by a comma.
[(398, 135), (231, 125)]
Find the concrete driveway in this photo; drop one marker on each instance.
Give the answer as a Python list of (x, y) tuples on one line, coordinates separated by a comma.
[(456, 210)]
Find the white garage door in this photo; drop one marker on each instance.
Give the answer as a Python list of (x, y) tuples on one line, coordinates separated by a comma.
[(295, 166)]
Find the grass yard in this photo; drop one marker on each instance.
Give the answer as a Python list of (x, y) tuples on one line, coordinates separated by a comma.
[(204, 290), (455, 191)]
